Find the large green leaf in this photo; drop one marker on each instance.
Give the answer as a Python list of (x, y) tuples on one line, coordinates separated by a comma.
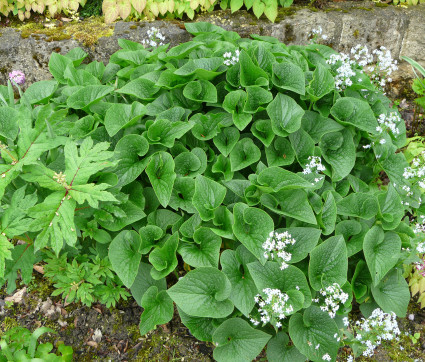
[(356, 112), (313, 333), (272, 276), (287, 75), (328, 263), (237, 341), (125, 256), (285, 115), (321, 84), (278, 350), (203, 292), (252, 227), (277, 179), (204, 251), (120, 115), (364, 206), (392, 293), (381, 251), (144, 281), (292, 203), (88, 95), (339, 151), (234, 265)]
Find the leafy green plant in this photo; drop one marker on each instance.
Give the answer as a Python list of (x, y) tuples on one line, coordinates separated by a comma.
[(87, 278), (19, 344), (23, 8), (114, 9), (228, 176)]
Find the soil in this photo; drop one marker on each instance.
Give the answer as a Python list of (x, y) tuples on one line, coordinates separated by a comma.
[(78, 326)]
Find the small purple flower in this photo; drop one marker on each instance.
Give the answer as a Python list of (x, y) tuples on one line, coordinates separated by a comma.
[(17, 76)]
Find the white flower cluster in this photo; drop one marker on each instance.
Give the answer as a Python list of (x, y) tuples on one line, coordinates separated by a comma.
[(326, 357), (230, 59), (378, 327), (155, 38), (333, 296), (315, 165), (361, 55), (384, 67), (389, 122), (344, 71), (273, 307), (417, 172), (317, 32), (274, 247), (379, 72)]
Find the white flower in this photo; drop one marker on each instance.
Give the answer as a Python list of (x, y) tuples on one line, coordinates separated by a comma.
[(326, 357)]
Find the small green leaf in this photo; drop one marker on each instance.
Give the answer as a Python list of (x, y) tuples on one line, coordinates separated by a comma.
[(244, 154), (208, 196), (200, 91), (164, 259), (226, 140), (158, 309), (160, 171)]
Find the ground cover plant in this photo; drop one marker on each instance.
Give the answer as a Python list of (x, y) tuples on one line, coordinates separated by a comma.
[(259, 187)]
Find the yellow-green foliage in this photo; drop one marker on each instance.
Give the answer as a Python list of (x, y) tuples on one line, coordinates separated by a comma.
[(142, 9), (114, 9), (408, 2), (23, 8), (417, 285)]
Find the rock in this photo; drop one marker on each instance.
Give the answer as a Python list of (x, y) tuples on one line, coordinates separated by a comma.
[(345, 24), (97, 335), (18, 296), (50, 310)]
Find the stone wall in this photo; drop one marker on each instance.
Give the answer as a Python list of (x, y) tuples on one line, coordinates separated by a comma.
[(346, 24)]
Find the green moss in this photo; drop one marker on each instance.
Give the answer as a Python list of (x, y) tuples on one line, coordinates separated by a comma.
[(86, 32), (356, 33), (363, 8), (133, 27), (381, 5), (7, 324)]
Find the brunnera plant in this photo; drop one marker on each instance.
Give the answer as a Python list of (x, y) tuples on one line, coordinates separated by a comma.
[(229, 176)]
